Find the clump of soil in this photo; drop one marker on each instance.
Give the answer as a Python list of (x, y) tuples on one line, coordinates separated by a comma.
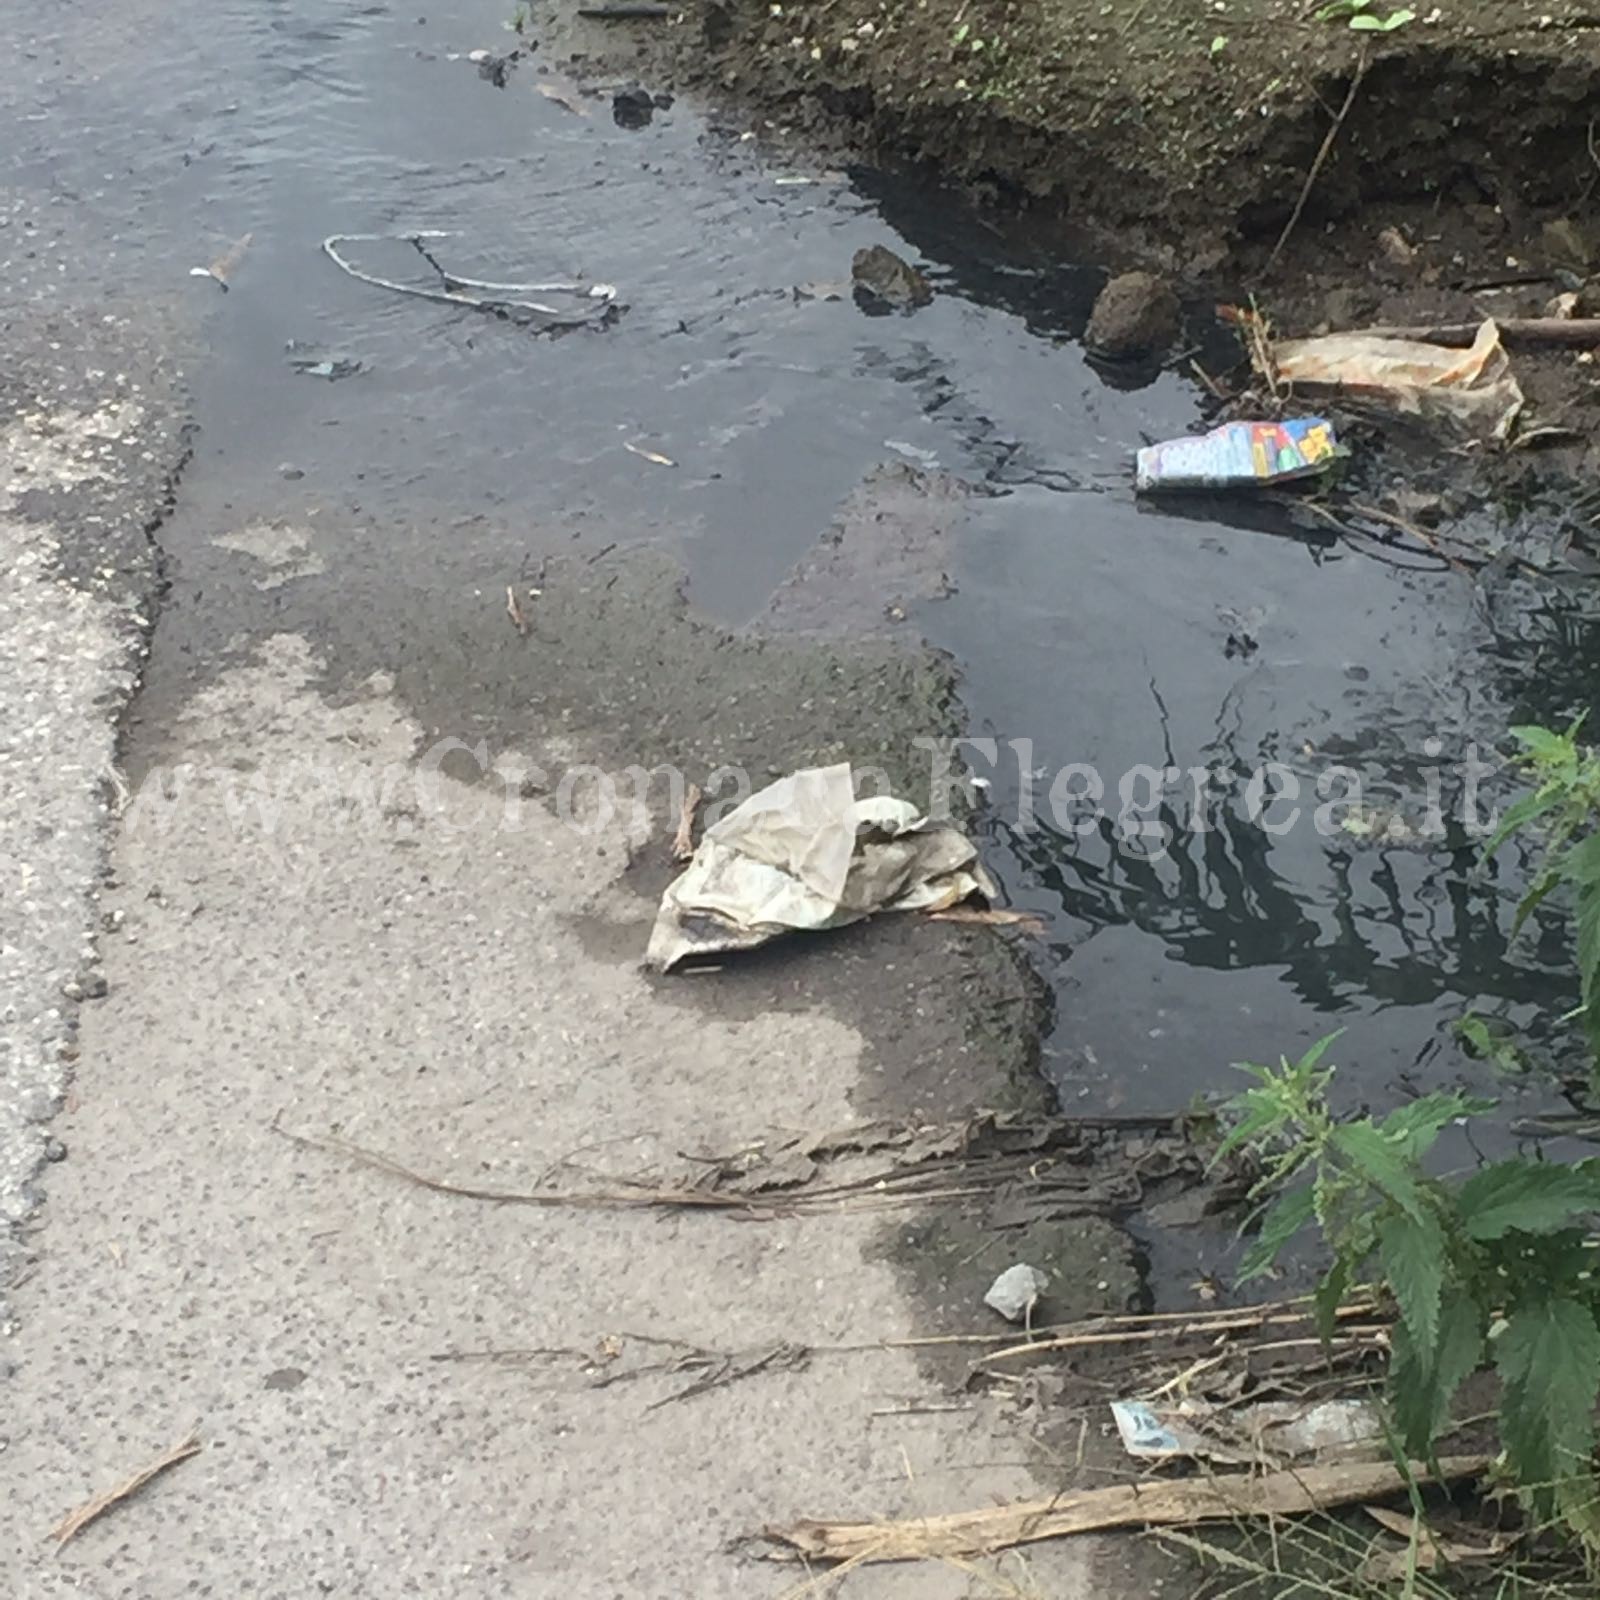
[(1137, 314)]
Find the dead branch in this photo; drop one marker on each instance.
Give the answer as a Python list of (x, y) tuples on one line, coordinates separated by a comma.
[(514, 611), (1152, 1503), (1583, 331), (989, 1156), (71, 1525)]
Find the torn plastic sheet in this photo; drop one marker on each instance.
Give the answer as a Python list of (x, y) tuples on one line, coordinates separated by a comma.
[(1472, 391), (805, 854), (1271, 1432)]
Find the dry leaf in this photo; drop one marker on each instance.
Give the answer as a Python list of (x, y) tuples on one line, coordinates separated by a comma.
[(1432, 1550), (226, 264)]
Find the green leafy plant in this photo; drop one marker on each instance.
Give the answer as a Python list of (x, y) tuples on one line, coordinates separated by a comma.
[(1493, 1040), (1362, 18), (1564, 805), (1494, 1268)]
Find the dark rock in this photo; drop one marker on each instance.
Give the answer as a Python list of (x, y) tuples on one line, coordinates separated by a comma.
[(497, 69), (54, 1149), (663, 100), (882, 274), (285, 1378), (633, 108), (1137, 314)]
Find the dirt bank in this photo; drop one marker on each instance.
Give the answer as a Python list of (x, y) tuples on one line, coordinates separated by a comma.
[(1198, 121), (1188, 140)]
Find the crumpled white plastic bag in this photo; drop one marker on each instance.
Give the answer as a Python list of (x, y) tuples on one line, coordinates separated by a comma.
[(804, 853)]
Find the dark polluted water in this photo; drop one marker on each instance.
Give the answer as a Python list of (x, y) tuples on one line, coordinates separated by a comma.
[(1123, 644)]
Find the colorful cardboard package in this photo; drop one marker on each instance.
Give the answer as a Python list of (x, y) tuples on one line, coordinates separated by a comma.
[(1239, 455)]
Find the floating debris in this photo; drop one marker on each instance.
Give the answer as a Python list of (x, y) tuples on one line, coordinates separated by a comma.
[(479, 294), (223, 268), (644, 454)]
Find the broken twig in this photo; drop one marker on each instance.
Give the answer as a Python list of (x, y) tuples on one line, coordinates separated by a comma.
[(683, 839), (1584, 331), (514, 611), (1152, 1503), (71, 1525), (1322, 156)]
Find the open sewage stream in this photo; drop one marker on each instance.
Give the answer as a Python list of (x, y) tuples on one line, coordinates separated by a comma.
[(437, 454)]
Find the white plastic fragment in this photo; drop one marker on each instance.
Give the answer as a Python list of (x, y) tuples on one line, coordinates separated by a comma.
[(1014, 1292)]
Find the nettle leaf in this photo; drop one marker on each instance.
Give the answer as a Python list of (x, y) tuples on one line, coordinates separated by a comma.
[(1382, 1163), (1526, 1197), (1329, 1297), (1286, 1216), (1580, 866), (1545, 746), (1259, 1114), (1315, 1054), (1420, 1391), (1413, 1255), (1417, 1124), (1521, 812), (1549, 1361)]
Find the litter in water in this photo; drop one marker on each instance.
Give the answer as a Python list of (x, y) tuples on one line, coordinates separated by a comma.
[(805, 854), (224, 267), (653, 456), (596, 301), (1240, 455), (315, 363)]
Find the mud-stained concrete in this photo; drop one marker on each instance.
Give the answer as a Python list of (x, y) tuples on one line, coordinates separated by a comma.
[(390, 956)]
